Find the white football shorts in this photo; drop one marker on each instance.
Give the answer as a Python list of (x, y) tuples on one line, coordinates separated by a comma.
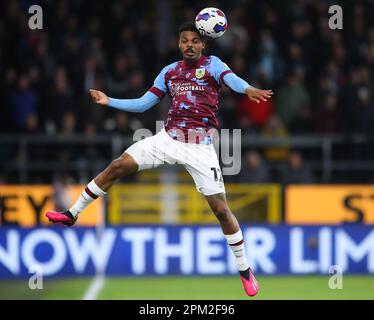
[(200, 160)]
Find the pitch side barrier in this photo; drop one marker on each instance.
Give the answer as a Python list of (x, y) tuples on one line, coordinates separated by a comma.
[(140, 250)]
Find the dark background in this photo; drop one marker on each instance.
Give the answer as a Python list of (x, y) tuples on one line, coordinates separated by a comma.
[(322, 80)]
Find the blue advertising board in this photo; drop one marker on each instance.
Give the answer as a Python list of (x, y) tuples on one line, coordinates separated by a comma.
[(184, 250)]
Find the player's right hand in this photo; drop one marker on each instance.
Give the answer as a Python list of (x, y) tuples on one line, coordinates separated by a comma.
[(99, 97)]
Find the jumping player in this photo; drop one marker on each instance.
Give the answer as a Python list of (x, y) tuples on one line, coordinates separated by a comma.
[(193, 85)]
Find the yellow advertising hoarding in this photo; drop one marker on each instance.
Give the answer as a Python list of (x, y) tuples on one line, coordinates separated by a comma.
[(331, 204), (181, 203), (26, 205)]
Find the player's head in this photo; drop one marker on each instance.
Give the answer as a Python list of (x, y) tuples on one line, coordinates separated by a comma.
[(191, 42)]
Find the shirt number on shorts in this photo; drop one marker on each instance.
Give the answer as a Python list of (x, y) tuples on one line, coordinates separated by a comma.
[(217, 174)]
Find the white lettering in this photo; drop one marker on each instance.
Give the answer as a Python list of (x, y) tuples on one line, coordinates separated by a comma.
[(297, 263), (138, 237), (206, 250), (182, 250), (347, 249), (324, 249), (98, 249), (33, 239), (261, 242), (10, 257)]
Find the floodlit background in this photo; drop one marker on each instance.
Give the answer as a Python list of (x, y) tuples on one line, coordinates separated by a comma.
[(304, 195)]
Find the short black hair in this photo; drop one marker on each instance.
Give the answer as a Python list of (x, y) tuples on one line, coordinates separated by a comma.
[(189, 26)]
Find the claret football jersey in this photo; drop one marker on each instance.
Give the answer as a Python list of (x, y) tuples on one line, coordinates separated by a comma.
[(194, 92)]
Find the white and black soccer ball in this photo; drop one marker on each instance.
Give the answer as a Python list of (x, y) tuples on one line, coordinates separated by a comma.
[(211, 22)]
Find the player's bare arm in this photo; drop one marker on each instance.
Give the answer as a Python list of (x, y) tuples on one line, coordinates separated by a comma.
[(256, 95)]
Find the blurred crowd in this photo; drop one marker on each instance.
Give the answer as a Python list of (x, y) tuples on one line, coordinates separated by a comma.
[(322, 78), (47, 73)]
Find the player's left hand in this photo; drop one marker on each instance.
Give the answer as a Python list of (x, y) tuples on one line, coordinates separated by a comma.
[(257, 95)]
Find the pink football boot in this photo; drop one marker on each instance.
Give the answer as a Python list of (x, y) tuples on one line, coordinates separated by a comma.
[(250, 283), (66, 218)]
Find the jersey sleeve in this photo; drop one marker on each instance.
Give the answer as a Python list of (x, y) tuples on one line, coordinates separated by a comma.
[(236, 83), (141, 104), (159, 87), (218, 69)]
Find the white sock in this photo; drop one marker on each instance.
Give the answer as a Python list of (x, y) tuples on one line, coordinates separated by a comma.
[(236, 244), (89, 194)]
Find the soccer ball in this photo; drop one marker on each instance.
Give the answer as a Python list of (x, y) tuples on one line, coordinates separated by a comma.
[(211, 22)]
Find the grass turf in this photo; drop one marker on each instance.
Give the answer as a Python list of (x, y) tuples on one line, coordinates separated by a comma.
[(180, 288), (226, 288), (64, 288)]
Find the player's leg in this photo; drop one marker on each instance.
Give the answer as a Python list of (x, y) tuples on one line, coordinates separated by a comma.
[(233, 234), (120, 167), (226, 218), (139, 156), (203, 165)]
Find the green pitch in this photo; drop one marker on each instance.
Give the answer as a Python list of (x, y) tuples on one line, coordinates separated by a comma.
[(138, 288)]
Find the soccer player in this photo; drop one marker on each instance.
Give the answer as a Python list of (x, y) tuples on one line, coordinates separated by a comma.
[(193, 85)]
